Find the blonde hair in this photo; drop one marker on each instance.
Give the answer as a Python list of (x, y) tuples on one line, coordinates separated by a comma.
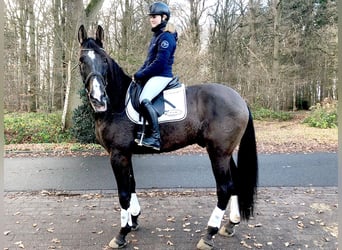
[(170, 27)]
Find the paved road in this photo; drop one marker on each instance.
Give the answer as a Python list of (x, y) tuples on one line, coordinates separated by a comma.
[(163, 171), (286, 218)]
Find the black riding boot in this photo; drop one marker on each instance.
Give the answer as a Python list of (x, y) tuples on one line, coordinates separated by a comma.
[(152, 139)]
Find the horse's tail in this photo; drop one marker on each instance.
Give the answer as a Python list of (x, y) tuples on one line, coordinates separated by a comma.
[(247, 170)]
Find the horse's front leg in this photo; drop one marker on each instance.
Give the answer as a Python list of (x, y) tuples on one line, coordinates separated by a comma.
[(123, 171), (134, 206)]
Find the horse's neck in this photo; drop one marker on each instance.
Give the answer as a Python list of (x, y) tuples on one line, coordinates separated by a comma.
[(117, 87)]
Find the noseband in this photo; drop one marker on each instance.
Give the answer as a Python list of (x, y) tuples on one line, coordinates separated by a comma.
[(94, 74)]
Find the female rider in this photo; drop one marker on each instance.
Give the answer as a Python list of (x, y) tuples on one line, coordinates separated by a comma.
[(156, 71)]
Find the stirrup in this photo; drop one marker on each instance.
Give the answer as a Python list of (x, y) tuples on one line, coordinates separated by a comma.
[(140, 140)]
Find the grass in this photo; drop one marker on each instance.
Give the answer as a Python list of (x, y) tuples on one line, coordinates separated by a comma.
[(34, 128), (25, 132)]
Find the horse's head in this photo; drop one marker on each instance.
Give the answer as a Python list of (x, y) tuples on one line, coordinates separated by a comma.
[(93, 63)]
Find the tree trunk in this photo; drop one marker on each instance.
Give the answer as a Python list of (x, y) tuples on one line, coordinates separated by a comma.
[(275, 81), (195, 30), (33, 85), (126, 26), (76, 15), (57, 81), (66, 95), (252, 59)]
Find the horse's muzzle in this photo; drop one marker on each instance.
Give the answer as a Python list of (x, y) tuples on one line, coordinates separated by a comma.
[(99, 105)]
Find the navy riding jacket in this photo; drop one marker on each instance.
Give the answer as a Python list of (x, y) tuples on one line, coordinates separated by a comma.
[(160, 55)]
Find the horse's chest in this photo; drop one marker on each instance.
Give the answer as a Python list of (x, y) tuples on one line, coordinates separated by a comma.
[(109, 135), (103, 134)]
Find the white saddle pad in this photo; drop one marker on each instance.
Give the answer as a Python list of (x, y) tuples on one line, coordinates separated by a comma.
[(176, 112)]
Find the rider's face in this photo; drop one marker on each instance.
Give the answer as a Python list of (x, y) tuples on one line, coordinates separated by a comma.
[(155, 20)]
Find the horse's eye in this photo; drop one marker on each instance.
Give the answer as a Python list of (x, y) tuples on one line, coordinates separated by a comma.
[(82, 58)]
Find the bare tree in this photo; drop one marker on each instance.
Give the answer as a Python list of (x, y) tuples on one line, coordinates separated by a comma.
[(277, 54), (75, 15)]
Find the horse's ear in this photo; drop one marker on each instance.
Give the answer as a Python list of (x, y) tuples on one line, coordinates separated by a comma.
[(82, 34), (99, 35)]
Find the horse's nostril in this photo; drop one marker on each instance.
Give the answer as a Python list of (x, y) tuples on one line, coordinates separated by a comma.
[(98, 101)]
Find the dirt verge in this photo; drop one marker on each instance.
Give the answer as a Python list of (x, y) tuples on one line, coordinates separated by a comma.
[(272, 137)]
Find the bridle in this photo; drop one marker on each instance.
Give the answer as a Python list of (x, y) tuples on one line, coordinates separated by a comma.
[(93, 74)]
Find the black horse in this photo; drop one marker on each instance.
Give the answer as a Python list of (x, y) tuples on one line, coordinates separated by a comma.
[(217, 119)]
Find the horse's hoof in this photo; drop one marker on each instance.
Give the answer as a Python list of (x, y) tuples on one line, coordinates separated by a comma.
[(135, 227), (205, 244), (227, 231), (117, 244)]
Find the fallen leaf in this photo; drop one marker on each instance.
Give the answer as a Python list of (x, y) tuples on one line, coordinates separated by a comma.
[(287, 244), (19, 244), (258, 245), (244, 244), (171, 219), (247, 236), (55, 240), (45, 192), (300, 225)]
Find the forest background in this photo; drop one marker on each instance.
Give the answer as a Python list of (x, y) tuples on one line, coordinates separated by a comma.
[(279, 55)]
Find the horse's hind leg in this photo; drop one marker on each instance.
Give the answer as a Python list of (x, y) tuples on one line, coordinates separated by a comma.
[(234, 216), (224, 190)]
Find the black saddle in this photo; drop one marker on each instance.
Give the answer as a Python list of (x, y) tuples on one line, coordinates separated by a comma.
[(135, 89)]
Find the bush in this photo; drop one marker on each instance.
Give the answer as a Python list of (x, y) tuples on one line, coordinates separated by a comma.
[(83, 129), (323, 115), (34, 128), (260, 113)]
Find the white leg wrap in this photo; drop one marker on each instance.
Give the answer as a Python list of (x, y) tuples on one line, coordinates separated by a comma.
[(234, 215), (125, 218), (134, 207), (216, 218)]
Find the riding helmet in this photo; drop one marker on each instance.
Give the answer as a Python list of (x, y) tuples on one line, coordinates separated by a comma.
[(160, 8)]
